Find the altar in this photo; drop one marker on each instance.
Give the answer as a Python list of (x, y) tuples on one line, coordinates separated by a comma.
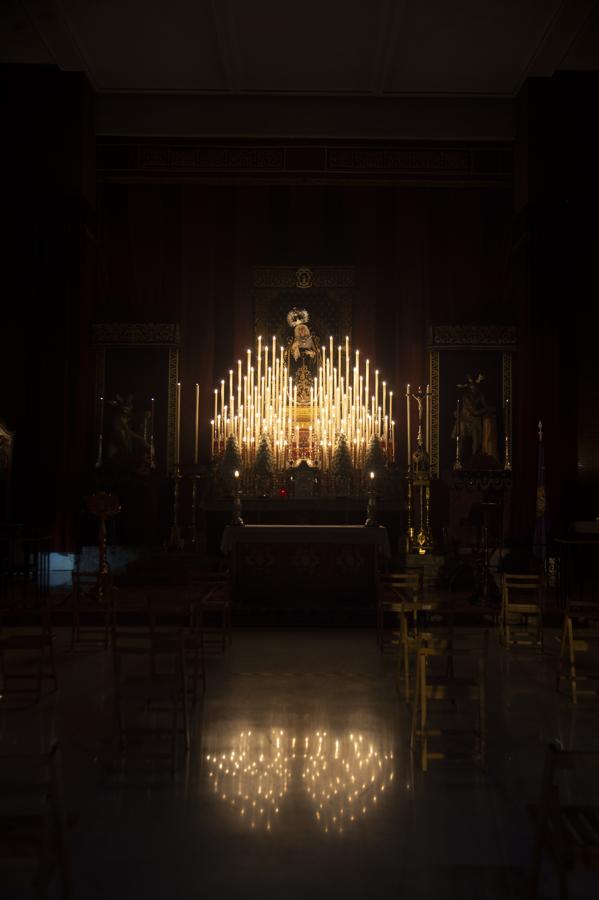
[(299, 565)]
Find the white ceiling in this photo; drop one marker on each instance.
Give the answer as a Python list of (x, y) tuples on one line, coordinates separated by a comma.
[(483, 48)]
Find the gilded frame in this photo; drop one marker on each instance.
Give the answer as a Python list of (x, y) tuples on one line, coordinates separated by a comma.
[(128, 336), (497, 343)]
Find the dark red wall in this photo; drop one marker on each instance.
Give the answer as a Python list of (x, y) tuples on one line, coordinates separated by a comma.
[(186, 253)]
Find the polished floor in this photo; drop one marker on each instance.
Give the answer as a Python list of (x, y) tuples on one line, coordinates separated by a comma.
[(299, 782)]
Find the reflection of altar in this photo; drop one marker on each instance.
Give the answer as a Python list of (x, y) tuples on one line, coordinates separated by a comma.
[(294, 564)]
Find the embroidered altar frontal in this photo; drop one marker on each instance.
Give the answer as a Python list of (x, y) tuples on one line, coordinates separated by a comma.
[(305, 565)]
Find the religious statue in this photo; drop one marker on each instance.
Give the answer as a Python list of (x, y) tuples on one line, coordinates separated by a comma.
[(475, 420), (125, 445), (303, 353)]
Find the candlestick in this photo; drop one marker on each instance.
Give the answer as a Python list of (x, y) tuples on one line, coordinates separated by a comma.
[(427, 444), (100, 456), (458, 463), (178, 427), (507, 462), (408, 427), (152, 443), (196, 448)]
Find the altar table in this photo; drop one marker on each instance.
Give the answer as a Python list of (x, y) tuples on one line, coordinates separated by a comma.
[(305, 564)]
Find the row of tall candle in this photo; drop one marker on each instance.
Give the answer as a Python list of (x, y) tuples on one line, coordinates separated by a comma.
[(262, 398)]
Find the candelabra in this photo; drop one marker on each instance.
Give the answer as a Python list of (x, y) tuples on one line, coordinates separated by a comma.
[(236, 518), (418, 538), (371, 507), (103, 506), (303, 416)]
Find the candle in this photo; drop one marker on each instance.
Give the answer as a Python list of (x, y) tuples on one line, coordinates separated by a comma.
[(408, 425), (101, 435), (196, 449), (259, 356), (376, 389), (178, 427), (384, 399), (428, 418)]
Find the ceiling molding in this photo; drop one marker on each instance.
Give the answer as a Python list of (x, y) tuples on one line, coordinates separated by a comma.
[(147, 160), (231, 116)]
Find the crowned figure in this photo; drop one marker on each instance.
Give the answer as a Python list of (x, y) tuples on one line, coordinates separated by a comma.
[(303, 353)]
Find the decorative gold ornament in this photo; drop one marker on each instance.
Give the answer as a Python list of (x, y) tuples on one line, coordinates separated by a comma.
[(303, 277)]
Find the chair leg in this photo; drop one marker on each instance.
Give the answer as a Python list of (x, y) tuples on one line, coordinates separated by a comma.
[(406, 658), (414, 725), (423, 716), (561, 654), (482, 715), (572, 660)]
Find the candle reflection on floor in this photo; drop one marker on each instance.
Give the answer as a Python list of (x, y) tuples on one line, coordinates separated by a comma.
[(344, 776)]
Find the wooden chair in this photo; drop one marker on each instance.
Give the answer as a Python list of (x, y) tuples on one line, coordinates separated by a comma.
[(33, 824), (399, 596), (568, 831), (521, 602), (580, 638), (92, 600), (26, 653), (210, 596), (150, 681), (452, 669)]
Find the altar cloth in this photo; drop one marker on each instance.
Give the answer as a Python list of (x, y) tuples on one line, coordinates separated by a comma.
[(302, 565)]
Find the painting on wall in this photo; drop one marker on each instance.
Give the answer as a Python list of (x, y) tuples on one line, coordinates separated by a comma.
[(471, 398), (136, 377)]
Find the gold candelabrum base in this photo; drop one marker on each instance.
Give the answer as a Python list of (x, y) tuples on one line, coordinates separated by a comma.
[(418, 534)]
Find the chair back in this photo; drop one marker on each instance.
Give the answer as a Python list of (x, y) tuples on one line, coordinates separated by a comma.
[(33, 836), (521, 590)]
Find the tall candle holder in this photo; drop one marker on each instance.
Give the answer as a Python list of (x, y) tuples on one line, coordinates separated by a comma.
[(100, 457), (103, 506), (175, 542), (371, 520), (507, 461), (236, 518), (458, 461), (419, 537)]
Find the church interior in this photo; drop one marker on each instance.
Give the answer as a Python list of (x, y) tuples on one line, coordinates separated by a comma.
[(299, 450)]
